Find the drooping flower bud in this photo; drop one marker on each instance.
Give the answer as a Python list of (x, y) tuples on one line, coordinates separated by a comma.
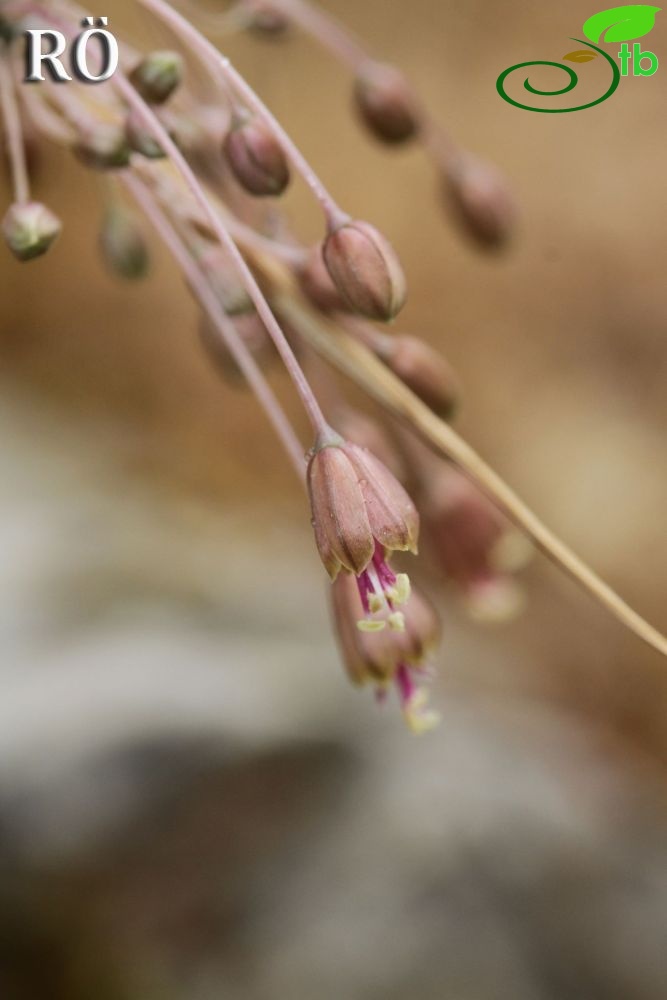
[(316, 284), (30, 229), (122, 244), (357, 505), (140, 139), (388, 656), (103, 146), (256, 158), (480, 201), (157, 76), (340, 520), (474, 545), (424, 371), (365, 269), (386, 103)]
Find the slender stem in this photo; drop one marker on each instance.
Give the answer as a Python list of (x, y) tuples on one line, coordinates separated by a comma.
[(291, 364), (358, 363), (13, 130), (223, 324), (210, 55), (291, 253)]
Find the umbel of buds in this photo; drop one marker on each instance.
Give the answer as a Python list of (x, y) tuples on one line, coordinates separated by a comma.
[(256, 158), (122, 244), (30, 229), (157, 76), (365, 269), (386, 103), (423, 370), (480, 201), (389, 656)]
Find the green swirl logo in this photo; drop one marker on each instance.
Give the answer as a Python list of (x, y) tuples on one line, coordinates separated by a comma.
[(618, 24)]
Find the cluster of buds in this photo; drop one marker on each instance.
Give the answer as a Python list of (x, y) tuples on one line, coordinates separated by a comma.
[(207, 173)]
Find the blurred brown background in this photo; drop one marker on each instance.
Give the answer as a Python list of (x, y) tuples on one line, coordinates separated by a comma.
[(193, 803)]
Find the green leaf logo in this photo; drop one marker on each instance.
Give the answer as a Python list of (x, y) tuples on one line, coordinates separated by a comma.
[(581, 55), (621, 24)]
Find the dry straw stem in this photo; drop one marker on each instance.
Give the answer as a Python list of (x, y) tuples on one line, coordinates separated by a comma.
[(357, 362)]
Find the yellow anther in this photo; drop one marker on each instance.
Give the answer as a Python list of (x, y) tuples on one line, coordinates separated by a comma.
[(396, 621), (370, 625), (375, 603), (420, 719), (402, 588)]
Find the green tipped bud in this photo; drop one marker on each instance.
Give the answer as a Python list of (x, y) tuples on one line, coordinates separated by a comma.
[(365, 269), (122, 244), (386, 103), (30, 229), (157, 76), (256, 158), (103, 147)]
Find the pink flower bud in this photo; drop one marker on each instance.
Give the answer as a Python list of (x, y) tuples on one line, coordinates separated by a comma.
[(256, 158), (357, 505), (123, 245), (424, 371), (157, 76), (30, 229), (342, 530), (365, 270), (386, 103), (392, 515), (480, 201)]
